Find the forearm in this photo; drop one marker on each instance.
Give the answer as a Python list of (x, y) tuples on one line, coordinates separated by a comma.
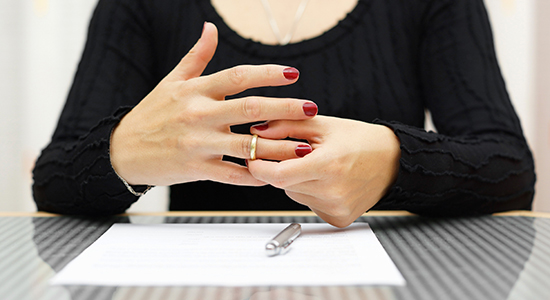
[(73, 175), (76, 177), (442, 175)]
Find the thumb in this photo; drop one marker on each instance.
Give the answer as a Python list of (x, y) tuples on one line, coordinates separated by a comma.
[(196, 60)]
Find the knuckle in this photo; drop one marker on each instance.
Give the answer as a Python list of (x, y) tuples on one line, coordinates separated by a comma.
[(288, 108), (243, 146), (252, 108), (184, 89), (237, 75), (278, 179), (194, 114), (195, 54), (234, 177)]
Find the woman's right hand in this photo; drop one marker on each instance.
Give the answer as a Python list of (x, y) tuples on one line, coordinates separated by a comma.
[(181, 130)]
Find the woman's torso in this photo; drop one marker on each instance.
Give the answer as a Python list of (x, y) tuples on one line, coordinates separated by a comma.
[(364, 68)]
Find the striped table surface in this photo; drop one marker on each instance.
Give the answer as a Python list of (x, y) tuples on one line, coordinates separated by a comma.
[(488, 257)]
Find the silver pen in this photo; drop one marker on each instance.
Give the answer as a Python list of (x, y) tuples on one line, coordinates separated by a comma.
[(281, 242)]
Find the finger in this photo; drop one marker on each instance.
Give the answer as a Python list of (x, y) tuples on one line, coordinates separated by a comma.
[(196, 60), (240, 78), (230, 173), (281, 149), (239, 145), (285, 173), (253, 109), (310, 130)]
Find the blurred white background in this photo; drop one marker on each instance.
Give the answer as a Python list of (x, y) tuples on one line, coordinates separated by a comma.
[(41, 42)]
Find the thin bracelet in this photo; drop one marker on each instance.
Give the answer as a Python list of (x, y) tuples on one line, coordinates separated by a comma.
[(128, 186), (130, 189)]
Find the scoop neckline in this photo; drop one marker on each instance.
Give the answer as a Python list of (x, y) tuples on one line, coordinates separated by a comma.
[(258, 49)]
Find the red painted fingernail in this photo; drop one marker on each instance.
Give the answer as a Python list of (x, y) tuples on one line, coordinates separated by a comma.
[(246, 162), (291, 73), (303, 150), (310, 109), (261, 127)]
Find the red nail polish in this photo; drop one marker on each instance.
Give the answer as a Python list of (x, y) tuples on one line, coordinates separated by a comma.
[(310, 109), (261, 127), (291, 73), (303, 150)]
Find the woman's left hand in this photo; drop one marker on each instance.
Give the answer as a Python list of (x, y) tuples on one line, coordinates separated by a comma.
[(351, 167)]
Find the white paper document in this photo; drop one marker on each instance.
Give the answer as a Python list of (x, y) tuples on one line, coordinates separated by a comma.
[(231, 255)]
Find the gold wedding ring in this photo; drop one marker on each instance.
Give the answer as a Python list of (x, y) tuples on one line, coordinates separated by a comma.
[(253, 147)]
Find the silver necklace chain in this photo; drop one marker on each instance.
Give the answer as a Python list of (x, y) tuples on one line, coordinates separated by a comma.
[(284, 41)]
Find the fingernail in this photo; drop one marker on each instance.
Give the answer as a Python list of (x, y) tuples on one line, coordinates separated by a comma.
[(246, 162), (291, 73), (203, 27), (261, 127), (303, 150), (310, 109)]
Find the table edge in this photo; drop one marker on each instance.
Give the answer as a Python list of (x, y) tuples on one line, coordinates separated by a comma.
[(522, 213)]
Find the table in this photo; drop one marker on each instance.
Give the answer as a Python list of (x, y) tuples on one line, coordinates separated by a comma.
[(488, 257)]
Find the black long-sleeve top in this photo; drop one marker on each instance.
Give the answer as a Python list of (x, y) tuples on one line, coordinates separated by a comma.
[(387, 62)]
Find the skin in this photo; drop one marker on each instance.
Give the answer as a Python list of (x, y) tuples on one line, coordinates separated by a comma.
[(249, 19), (181, 130), (352, 166), (353, 163)]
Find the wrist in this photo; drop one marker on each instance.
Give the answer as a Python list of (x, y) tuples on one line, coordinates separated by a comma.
[(136, 190)]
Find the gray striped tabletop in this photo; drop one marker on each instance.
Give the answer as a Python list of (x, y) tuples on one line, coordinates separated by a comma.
[(462, 258)]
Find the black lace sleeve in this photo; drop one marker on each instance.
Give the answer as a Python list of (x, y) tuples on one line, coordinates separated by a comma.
[(73, 174), (478, 161)]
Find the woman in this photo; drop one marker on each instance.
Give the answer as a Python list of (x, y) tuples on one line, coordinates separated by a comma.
[(371, 75)]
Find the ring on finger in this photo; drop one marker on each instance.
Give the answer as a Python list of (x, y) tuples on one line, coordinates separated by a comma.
[(253, 147)]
